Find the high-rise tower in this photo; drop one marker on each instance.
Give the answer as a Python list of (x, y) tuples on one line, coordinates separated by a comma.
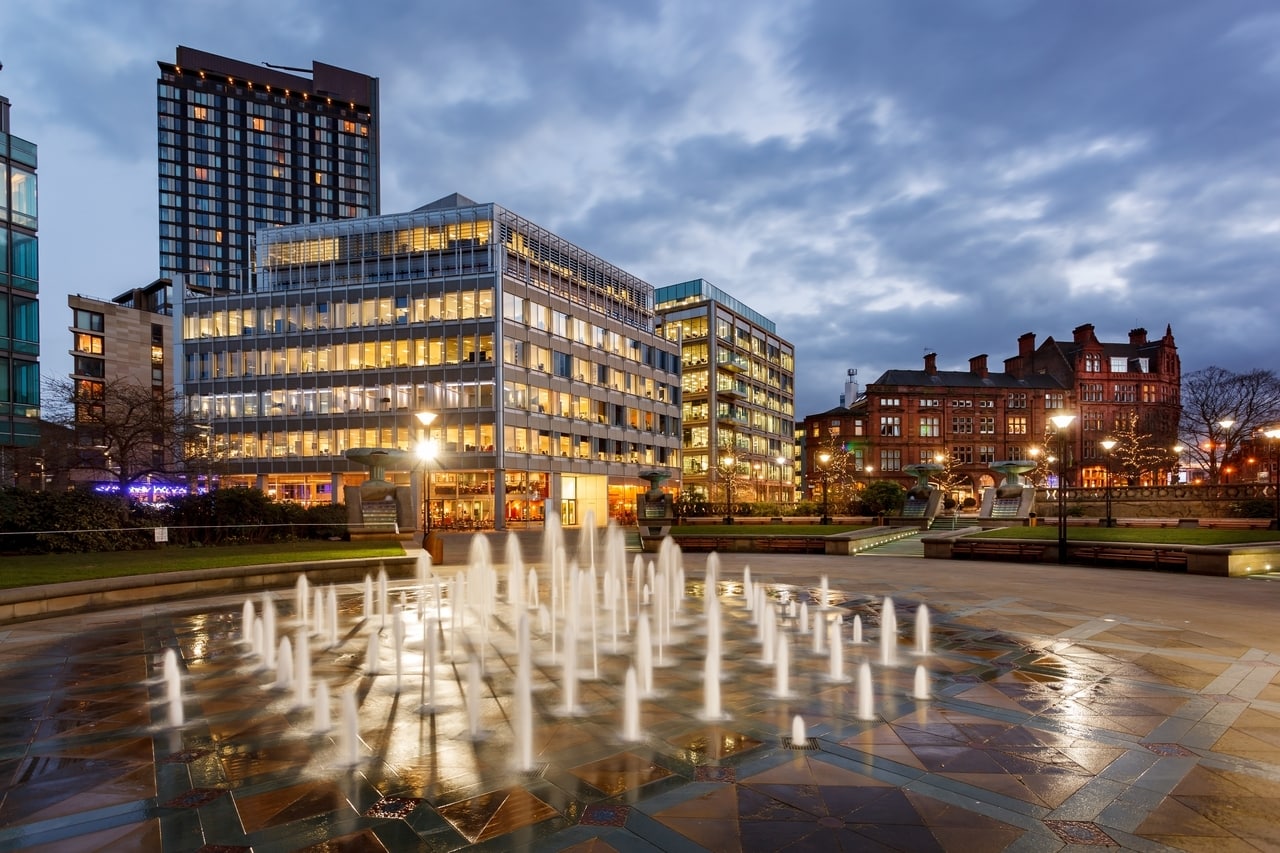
[(244, 146), (19, 299)]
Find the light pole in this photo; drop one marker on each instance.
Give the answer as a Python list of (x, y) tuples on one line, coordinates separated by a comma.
[(726, 468), (426, 452), (1060, 424), (782, 476), (1108, 445), (824, 459), (1177, 464), (1274, 434), (1225, 444)]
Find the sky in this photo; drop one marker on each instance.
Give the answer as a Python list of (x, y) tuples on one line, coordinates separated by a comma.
[(882, 178)]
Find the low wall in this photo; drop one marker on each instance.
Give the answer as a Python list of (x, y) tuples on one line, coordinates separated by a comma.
[(1154, 501), (59, 599)]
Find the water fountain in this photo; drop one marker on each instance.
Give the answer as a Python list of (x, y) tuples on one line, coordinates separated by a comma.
[(550, 666)]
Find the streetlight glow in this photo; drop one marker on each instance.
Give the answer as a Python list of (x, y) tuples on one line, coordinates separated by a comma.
[(1108, 444), (824, 458), (1060, 423)]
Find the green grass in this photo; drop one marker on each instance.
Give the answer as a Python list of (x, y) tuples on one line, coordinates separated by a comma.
[(19, 571), (763, 529), (1154, 535)]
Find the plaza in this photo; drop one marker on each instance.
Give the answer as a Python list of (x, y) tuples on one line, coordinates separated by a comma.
[(1067, 706)]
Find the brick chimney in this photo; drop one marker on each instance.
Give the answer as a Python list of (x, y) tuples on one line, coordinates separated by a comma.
[(1137, 337), (1027, 344), (978, 365), (1083, 334), (931, 363)]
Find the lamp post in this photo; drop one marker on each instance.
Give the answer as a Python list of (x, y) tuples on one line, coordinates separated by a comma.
[(726, 468), (782, 476), (426, 452), (1177, 464), (1274, 434), (824, 460), (1225, 444), (1060, 424), (1108, 444)]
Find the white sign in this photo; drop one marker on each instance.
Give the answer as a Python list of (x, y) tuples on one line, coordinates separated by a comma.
[(162, 534)]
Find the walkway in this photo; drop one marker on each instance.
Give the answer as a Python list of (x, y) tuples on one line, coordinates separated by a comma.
[(1071, 707)]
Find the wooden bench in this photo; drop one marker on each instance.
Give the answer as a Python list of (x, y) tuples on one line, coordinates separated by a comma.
[(1236, 523), (700, 543), (791, 544), (1147, 522), (1114, 555), (982, 549)]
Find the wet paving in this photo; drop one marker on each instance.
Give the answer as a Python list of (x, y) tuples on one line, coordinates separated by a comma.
[(1048, 726)]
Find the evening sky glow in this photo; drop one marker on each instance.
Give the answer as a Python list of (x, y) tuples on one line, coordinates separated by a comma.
[(883, 179)]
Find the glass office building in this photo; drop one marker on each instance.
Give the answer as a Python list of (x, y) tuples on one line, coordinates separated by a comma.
[(738, 396), (540, 361), (19, 299), (243, 146)]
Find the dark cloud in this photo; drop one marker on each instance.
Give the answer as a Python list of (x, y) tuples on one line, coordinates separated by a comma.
[(881, 178)]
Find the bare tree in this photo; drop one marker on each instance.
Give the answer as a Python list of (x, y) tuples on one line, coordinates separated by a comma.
[(1136, 452), (124, 430), (1220, 409)]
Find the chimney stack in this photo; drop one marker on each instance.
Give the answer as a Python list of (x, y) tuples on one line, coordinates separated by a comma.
[(931, 363), (978, 365), (1083, 334), (1027, 344), (1137, 337)]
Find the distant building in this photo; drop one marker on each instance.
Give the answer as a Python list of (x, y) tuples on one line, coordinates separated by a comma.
[(978, 417), (540, 361), (243, 147), (19, 300), (738, 395), (125, 340)]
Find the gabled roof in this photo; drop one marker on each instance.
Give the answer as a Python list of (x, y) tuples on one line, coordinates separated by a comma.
[(964, 379), (449, 202)]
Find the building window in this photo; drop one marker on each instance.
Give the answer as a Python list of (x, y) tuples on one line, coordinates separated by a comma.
[(91, 344), (890, 425), (91, 320), (962, 426), (1016, 425), (1017, 400), (1092, 363), (929, 403), (891, 402), (986, 453), (1119, 364), (987, 425), (962, 454), (930, 426), (890, 460), (85, 366), (1055, 400)]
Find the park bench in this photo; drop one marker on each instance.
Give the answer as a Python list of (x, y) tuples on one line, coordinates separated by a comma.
[(982, 549), (1236, 523), (701, 543), (791, 544), (1130, 556), (1147, 522)]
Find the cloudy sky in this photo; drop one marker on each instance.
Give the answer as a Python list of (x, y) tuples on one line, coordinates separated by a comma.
[(883, 178)]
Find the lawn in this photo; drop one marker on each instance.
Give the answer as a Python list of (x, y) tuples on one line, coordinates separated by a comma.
[(763, 529), (18, 571), (1154, 535)]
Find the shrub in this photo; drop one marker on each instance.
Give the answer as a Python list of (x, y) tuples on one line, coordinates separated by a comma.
[(1253, 508)]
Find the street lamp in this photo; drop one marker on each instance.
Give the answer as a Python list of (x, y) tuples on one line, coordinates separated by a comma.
[(426, 452), (1060, 424), (726, 467), (1274, 434), (1226, 424), (1108, 444), (782, 476), (824, 460)]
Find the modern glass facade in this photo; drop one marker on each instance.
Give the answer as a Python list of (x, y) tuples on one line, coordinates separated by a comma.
[(738, 395), (19, 297), (539, 360), (242, 147)]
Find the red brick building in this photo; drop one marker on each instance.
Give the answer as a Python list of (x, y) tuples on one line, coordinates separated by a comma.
[(979, 416)]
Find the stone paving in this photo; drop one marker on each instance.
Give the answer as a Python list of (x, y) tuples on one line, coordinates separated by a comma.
[(1070, 708)]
